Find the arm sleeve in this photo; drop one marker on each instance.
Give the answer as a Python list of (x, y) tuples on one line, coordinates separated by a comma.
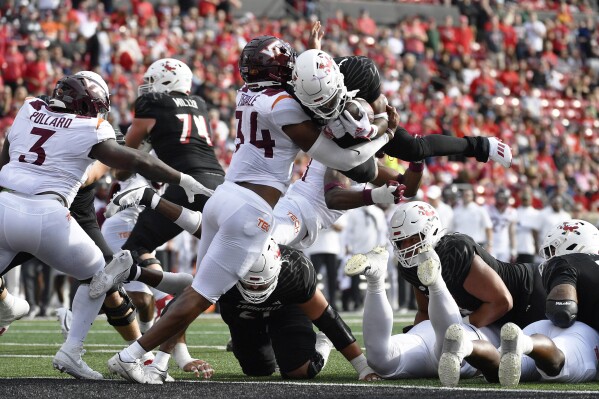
[(331, 155), (143, 108)]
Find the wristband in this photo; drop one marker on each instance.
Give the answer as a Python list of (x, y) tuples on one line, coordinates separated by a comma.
[(181, 355), (416, 167), (359, 363), (367, 197), (381, 115)]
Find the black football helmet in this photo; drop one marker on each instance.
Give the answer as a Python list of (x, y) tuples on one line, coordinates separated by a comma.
[(266, 61), (78, 95)]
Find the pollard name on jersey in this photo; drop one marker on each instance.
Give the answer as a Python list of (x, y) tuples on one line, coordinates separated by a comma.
[(49, 151)]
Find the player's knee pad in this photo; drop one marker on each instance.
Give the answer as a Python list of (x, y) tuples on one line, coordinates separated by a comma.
[(255, 369), (562, 313), (335, 328), (122, 315), (315, 365)]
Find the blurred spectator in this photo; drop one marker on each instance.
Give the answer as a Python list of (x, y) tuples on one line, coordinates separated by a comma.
[(473, 220), (433, 193), (527, 228), (552, 215), (325, 254), (504, 219), (535, 32), (13, 66), (366, 228), (365, 23)]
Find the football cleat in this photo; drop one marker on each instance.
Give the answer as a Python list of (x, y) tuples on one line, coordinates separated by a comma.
[(11, 309), (156, 376), (70, 362), (500, 152), (131, 371), (372, 264), (510, 365), (450, 362), (429, 266), (114, 273), (65, 317)]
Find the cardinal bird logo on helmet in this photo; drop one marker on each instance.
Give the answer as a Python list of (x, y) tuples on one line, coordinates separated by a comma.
[(169, 67), (570, 229)]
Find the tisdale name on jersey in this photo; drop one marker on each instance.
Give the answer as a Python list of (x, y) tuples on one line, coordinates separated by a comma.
[(185, 102), (48, 120), (247, 100)]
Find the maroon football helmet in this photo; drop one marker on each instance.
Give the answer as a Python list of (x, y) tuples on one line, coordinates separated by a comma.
[(78, 95), (266, 61)]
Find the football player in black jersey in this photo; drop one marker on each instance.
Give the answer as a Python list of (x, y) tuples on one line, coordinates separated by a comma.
[(487, 290), (175, 123), (360, 77), (270, 313), (563, 348)]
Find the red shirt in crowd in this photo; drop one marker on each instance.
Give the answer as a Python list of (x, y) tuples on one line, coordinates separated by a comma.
[(13, 66)]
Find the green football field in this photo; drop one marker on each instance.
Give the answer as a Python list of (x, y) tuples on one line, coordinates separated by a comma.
[(26, 350)]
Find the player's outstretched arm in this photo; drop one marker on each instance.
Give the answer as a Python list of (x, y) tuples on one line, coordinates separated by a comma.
[(116, 156), (338, 195), (185, 218)]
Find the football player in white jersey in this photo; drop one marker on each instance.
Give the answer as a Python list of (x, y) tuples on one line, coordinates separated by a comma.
[(322, 195), (416, 353), (272, 128), (43, 163)]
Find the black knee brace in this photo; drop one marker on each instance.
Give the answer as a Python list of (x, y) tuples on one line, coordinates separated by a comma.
[(562, 313), (118, 317), (315, 365), (2, 286), (335, 328), (148, 262)]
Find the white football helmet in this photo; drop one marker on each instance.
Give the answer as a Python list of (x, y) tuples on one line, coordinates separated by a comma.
[(411, 218), (572, 236), (166, 75), (257, 285), (318, 84), (97, 79)]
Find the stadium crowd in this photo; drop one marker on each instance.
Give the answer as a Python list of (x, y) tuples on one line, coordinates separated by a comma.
[(498, 70)]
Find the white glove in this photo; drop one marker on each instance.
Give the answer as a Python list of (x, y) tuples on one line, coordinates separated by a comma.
[(193, 187), (334, 129), (361, 128), (390, 193), (124, 199)]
